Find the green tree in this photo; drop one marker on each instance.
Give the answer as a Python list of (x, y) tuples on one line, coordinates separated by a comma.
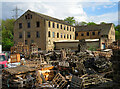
[(80, 23), (70, 20), (117, 28), (91, 23), (7, 34), (102, 23)]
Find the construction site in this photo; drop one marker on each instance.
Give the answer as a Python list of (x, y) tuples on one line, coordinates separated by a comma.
[(29, 68)]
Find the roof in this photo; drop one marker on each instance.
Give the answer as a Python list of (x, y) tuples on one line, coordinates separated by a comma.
[(103, 28), (49, 18), (91, 40), (66, 41)]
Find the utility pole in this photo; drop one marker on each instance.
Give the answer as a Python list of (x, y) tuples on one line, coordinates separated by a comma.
[(16, 12)]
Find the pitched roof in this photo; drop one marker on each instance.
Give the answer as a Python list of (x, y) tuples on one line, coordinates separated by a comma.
[(51, 18), (103, 28)]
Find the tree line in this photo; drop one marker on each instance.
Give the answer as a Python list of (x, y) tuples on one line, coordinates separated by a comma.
[(7, 34)]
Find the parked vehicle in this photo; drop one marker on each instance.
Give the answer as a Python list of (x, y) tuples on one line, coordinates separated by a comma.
[(3, 61)]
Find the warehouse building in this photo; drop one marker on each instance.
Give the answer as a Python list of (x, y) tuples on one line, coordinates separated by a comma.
[(33, 27), (104, 32)]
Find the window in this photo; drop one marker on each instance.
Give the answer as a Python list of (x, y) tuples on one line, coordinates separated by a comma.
[(53, 25), (64, 36), (64, 27), (70, 28), (49, 34), (67, 36), (70, 37), (82, 34), (93, 33), (28, 24), (20, 35), (61, 26), (32, 41), (53, 34), (28, 34), (87, 33), (26, 42), (49, 23), (98, 33), (76, 34), (28, 16), (57, 35), (37, 34), (61, 35), (57, 25), (20, 25), (73, 29), (67, 28), (39, 49), (37, 24)]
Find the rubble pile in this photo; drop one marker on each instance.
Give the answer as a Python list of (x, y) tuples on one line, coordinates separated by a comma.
[(20, 76), (116, 65), (61, 69)]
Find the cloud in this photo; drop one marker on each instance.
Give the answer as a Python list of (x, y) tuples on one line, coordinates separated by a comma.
[(61, 10), (109, 18), (109, 6)]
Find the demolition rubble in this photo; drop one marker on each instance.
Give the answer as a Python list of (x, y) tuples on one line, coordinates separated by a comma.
[(64, 69)]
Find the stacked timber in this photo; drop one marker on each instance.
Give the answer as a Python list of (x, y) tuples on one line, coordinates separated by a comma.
[(20, 76), (20, 48), (116, 65)]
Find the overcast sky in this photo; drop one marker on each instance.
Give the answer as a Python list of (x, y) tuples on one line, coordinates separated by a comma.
[(96, 10)]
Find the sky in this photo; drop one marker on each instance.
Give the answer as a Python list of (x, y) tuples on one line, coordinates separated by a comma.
[(88, 10)]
